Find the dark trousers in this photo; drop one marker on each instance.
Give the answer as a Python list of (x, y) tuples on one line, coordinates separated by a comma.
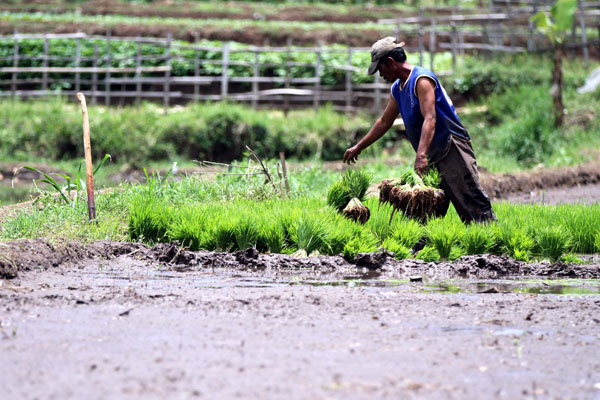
[(460, 182)]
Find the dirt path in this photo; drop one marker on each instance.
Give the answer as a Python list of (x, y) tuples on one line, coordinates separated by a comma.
[(586, 194), (128, 327)]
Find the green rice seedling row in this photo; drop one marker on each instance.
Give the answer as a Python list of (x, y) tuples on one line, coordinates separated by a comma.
[(307, 226)]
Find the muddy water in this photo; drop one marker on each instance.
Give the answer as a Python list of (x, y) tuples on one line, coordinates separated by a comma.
[(13, 195)]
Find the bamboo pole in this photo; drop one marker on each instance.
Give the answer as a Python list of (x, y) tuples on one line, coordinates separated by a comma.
[(87, 146)]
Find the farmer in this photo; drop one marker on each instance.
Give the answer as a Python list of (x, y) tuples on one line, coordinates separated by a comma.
[(433, 128)]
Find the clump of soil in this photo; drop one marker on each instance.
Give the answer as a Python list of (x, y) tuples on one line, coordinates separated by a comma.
[(26, 255)]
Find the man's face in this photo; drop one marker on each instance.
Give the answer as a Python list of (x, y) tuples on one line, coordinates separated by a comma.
[(386, 70)]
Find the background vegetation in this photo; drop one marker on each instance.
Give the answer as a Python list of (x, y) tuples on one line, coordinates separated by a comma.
[(515, 130)]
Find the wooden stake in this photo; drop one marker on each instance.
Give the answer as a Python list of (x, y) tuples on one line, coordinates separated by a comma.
[(284, 168), (87, 147), (280, 182)]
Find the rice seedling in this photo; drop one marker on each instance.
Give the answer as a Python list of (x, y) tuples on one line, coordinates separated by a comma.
[(365, 242), (517, 243), (407, 232), (149, 220), (456, 252), (571, 258), (271, 236), (245, 234), (224, 235), (410, 194), (309, 236), (187, 228), (347, 196), (582, 223), (553, 242), (429, 254), (443, 235), (400, 251), (478, 239), (597, 242), (379, 223)]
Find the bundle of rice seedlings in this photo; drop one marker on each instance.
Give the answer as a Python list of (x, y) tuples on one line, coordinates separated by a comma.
[(271, 237), (187, 228), (407, 232), (416, 197), (347, 196), (245, 234)]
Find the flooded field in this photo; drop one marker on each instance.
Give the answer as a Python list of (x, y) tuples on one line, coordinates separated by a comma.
[(128, 326)]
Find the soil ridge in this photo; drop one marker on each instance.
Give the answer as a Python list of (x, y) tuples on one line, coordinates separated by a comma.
[(26, 255)]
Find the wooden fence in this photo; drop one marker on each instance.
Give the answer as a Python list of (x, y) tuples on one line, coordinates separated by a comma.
[(501, 29)]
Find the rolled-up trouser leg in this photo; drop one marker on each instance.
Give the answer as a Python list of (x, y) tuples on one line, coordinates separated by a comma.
[(460, 182)]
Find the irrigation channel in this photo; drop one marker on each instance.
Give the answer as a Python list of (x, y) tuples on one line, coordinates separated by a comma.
[(122, 320)]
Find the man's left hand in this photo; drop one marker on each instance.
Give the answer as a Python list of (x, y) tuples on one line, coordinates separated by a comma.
[(421, 164)]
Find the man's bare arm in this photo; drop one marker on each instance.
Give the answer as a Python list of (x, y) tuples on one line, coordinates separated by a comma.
[(380, 127), (426, 93)]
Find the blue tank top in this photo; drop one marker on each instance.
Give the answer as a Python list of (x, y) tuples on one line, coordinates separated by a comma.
[(447, 121)]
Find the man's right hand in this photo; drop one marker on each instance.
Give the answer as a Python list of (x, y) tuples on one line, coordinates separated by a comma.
[(351, 155)]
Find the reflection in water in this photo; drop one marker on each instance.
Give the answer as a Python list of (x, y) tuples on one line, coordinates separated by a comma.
[(10, 195)]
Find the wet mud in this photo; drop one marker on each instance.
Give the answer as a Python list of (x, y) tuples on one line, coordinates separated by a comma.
[(27, 255), (120, 320)]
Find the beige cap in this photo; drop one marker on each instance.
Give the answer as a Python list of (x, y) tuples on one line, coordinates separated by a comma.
[(379, 49)]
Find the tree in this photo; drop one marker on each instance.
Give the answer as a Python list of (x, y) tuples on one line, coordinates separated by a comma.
[(556, 26)]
